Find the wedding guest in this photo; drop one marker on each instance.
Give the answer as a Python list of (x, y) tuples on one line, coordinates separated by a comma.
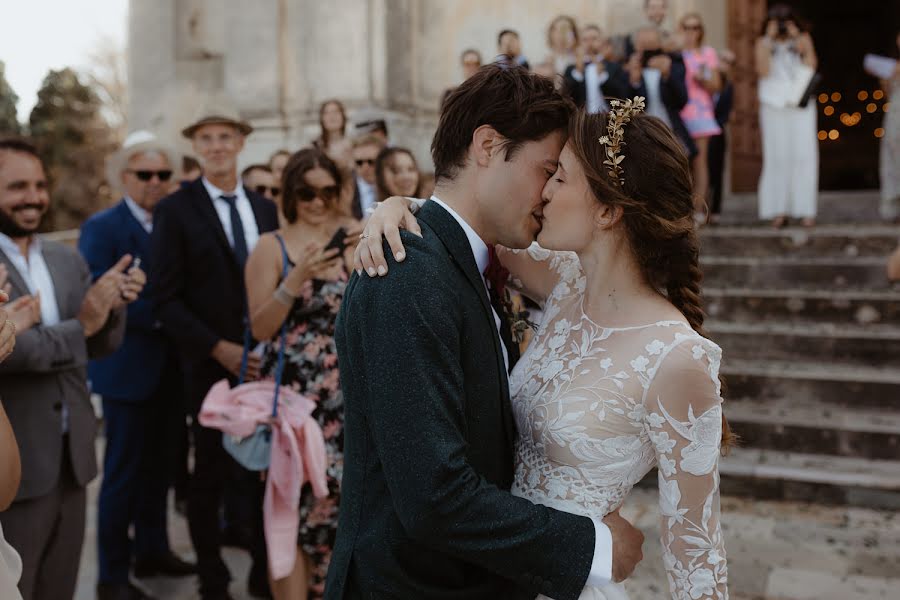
[(397, 173), (139, 383), (470, 62), (718, 144), (785, 60), (509, 49), (562, 39), (306, 301), (202, 236), (365, 152), (44, 384), (260, 179), (332, 138), (703, 81), (190, 170), (659, 76), (370, 122), (889, 165), (593, 78), (656, 14)]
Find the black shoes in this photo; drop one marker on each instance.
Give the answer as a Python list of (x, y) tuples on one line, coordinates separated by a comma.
[(168, 565), (121, 591)]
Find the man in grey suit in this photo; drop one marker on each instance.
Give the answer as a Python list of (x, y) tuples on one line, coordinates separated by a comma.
[(43, 383)]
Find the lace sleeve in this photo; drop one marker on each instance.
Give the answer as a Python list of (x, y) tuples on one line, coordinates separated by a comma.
[(535, 271), (685, 425)]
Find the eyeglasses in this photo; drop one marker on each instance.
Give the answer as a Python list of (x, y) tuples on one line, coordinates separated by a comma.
[(262, 189), (145, 176), (364, 161), (306, 193)]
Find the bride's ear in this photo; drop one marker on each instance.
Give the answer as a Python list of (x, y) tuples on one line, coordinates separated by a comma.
[(486, 142), (607, 216)]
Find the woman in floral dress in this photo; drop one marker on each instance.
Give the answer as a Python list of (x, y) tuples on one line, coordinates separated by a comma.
[(307, 302)]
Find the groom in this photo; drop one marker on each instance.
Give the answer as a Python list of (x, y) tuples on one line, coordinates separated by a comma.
[(429, 431)]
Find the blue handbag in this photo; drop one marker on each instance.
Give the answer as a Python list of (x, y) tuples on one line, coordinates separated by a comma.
[(254, 451)]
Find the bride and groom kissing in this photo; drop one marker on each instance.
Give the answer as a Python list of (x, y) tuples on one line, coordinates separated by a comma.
[(469, 474)]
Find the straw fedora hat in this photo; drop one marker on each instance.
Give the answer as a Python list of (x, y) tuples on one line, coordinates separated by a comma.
[(137, 142), (216, 111)]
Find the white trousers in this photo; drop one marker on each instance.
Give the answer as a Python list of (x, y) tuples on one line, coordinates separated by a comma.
[(789, 183)]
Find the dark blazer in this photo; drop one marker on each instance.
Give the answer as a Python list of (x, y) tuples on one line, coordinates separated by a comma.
[(195, 282), (47, 370), (674, 96), (615, 86), (133, 372), (428, 442)]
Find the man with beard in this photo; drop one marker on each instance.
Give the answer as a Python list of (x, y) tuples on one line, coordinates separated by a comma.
[(140, 383), (43, 383)]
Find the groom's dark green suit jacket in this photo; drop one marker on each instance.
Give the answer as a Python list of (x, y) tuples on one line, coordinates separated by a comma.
[(428, 457)]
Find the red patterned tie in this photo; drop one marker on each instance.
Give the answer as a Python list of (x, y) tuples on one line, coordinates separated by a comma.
[(496, 274)]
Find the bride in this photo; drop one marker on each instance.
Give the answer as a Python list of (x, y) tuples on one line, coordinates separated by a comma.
[(619, 376)]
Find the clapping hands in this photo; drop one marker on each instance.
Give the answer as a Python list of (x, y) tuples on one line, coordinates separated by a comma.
[(114, 289)]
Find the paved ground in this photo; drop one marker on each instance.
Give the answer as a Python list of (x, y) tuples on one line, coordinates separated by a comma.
[(776, 551)]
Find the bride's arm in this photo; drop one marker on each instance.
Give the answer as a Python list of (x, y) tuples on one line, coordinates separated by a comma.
[(685, 425), (534, 272)]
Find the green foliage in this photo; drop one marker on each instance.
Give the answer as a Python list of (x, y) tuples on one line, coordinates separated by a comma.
[(9, 123)]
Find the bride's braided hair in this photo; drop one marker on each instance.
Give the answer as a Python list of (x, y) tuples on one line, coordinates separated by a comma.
[(656, 196)]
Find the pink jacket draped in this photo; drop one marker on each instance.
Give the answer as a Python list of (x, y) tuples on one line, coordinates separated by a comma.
[(298, 455)]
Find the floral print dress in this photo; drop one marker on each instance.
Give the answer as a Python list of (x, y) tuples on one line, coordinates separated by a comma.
[(310, 368), (597, 407)]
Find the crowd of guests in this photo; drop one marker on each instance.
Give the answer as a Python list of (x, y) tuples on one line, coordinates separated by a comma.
[(167, 287)]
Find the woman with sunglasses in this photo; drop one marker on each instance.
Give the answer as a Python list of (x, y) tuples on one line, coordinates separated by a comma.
[(703, 82), (307, 302)]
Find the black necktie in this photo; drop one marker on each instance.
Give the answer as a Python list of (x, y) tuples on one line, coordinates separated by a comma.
[(237, 230)]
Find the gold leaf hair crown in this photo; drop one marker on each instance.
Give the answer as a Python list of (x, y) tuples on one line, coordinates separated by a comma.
[(620, 114)]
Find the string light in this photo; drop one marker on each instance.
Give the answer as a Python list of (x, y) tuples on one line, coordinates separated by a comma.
[(823, 135), (836, 97), (871, 107), (823, 98), (829, 110), (879, 132), (834, 134), (886, 106), (862, 95), (877, 95)]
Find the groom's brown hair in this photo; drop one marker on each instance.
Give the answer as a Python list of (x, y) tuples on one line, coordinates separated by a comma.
[(520, 105)]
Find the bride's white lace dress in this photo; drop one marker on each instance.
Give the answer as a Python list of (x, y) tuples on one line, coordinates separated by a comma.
[(597, 408)]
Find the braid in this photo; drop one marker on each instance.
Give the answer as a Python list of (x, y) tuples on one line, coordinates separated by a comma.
[(684, 292)]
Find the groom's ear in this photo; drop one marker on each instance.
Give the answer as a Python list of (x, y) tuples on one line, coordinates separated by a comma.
[(486, 143)]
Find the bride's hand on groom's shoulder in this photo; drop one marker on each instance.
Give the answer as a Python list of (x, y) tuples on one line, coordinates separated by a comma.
[(627, 541), (390, 216)]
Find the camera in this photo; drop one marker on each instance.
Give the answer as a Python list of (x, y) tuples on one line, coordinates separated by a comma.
[(782, 27)]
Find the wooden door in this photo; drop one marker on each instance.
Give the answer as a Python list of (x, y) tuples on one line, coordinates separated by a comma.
[(744, 22)]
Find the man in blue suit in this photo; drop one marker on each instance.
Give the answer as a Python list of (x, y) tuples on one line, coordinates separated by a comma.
[(140, 384)]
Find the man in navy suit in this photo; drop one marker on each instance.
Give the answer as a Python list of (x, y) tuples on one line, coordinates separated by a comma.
[(140, 387), (202, 236)]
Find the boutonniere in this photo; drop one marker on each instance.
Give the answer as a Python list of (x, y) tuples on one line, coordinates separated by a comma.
[(518, 320)]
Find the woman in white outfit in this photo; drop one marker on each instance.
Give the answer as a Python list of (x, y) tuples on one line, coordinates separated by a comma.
[(619, 376), (785, 62)]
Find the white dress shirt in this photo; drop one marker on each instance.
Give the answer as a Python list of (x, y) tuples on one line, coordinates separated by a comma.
[(595, 101), (601, 565), (655, 106), (245, 210), (144, 217), (367, 199)]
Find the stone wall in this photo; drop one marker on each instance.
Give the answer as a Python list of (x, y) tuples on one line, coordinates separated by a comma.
[(279, 59)]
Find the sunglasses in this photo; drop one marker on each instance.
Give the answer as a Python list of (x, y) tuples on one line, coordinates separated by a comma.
[(262, 189), (307, 193), (148, 175), (364, 161)]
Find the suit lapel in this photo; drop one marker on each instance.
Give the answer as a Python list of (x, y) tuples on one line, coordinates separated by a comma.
[(257, 203), (140, 239), (205, 206), (457, 244), (15, 278), (58, 275)]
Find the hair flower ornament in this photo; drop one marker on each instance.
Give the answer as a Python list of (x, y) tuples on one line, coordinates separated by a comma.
[(620, 114)]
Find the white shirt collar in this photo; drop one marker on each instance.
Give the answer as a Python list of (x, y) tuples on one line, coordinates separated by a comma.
[(143, 216), (479, 248), (215, 192), (11, 249)]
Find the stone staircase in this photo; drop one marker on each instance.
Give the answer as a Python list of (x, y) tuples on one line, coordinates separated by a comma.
[(810, 329)]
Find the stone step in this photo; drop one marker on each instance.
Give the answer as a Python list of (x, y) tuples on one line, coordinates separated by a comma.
[(813, 341), (743, 304), (800, 476), (827, 240), (833, 207), (825, 382), (774, 272), (805, 426)]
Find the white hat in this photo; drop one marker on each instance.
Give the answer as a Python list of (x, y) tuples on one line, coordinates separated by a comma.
[(217, 109), (136, 143)]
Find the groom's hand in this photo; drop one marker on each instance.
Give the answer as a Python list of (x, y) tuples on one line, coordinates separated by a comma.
[(626, 546)]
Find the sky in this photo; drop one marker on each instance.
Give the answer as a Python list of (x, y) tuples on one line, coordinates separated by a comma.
[(39, 35)]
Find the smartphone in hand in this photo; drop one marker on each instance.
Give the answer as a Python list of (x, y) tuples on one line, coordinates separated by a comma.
[(338, 240)]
